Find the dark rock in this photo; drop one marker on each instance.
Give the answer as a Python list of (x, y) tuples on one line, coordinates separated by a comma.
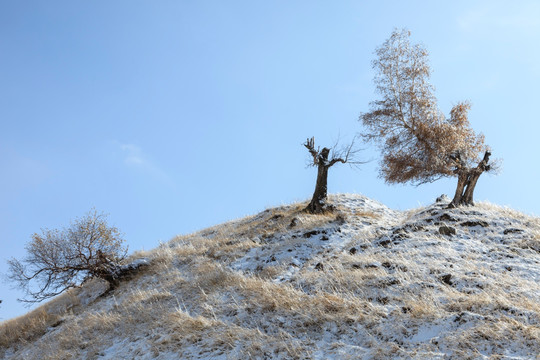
[(442, 198), (340, 219), (353, 250), (481, 223), (446, 217), (276, 217), (512, 231), (311, 233), (447, 230), (447, 279), (325, 238), (459, 317), (415, 227), (319, 267), (385, 243), (356, 266), (391, 281), (383, 300), (408, 228), (399, 237), (387, 265), (293, 223)]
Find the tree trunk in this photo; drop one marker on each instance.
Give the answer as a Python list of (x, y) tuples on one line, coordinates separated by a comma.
[(318, 201), (463, 177), (474, 174), (467, 179), (467, 198)]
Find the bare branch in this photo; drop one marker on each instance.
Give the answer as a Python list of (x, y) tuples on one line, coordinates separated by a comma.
[(321, 159), (57, 260), (310, 145), (347, 154)]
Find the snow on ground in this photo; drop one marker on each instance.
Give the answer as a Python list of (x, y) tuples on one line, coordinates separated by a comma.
[(363, 282), (296, 248)]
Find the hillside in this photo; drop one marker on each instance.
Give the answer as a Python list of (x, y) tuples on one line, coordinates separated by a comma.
[(365, 282)]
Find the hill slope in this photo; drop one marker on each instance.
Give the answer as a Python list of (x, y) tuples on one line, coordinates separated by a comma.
[(364, 282)]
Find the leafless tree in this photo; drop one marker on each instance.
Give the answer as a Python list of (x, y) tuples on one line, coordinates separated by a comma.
[(324, 159), (57, 260), (418, 144)]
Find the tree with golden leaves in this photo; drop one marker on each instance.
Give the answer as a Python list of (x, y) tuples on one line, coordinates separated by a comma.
[(418, 144)]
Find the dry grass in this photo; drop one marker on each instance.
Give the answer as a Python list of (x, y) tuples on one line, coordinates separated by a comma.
[(26, 328), (22, 330), (377, 302)]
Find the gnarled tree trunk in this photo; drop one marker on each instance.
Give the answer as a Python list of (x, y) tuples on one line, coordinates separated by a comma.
[(474, 174), (318, 201), (463, 177), (320, 159), (467, 179)]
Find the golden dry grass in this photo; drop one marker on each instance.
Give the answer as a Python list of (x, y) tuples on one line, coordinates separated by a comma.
[(190, 303), (28, 327)]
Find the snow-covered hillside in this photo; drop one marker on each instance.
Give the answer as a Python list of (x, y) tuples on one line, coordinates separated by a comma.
[(364, 282)]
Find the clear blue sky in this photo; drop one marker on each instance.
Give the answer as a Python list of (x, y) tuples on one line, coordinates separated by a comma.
[(172, 116)]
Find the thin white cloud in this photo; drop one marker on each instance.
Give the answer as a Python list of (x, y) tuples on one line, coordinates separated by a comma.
[(134, 157)]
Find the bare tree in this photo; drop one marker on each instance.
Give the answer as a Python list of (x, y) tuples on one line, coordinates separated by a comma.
[(57, 260), (324, 159), (418, 144)]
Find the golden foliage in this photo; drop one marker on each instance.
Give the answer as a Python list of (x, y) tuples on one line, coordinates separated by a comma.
[(416, 140)]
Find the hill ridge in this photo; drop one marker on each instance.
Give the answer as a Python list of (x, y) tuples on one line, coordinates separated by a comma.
[(364, 281)]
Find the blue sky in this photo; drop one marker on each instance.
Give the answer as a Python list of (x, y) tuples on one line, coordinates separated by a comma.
[(172, 116)]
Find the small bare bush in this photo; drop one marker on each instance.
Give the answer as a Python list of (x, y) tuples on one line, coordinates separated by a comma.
[(57, 260)]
